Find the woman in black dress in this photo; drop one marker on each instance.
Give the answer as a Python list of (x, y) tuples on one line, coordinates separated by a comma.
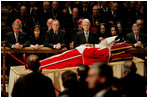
[(37, 40)]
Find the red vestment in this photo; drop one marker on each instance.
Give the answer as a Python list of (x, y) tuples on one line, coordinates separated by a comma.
[(73, 58)]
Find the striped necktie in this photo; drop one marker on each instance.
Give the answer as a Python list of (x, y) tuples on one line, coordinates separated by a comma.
[(86, 35)]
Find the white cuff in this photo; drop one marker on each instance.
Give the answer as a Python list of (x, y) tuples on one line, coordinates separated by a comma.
[(12, 46), (54, 46)]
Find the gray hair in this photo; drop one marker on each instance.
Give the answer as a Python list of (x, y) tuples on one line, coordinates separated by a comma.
[(129, 67), (85, 20), (49, 19), (135, 25), (55, 20), (46, 2), (119, 24), (15, 23)]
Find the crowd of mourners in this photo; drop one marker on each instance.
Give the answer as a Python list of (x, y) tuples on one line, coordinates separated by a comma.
[(94, 81), (56, 24)]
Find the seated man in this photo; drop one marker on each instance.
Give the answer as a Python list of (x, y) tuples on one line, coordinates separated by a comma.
[(16, 39), (136, 38), (49, 24), (55, 38), (85, 36), (84, 55), (35, 84)]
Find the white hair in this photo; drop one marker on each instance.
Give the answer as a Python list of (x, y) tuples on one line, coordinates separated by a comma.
[(85, 20)]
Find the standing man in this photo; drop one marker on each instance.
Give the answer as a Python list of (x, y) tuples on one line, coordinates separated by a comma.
[(113, 14), (95, 18), (136, 38), (55, 13), (55, 38), (86, 36), (34, 84), (133, 84), (99, 80), (16, 39)]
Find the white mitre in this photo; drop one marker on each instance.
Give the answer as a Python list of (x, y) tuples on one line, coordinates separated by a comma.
[(107, 42)]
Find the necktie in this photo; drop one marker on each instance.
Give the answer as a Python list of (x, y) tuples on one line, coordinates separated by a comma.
[(86, 35), (137, 38), (56, 33), (16, 38)]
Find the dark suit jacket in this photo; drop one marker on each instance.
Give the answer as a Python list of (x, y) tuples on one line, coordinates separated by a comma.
[(115, 18), (85, 14), (112, 93), (80, 38), (12, 16), (57, 14), (34, 84), (130, 38), (52, 39), (134, 85), (34, 41), (10, 39)]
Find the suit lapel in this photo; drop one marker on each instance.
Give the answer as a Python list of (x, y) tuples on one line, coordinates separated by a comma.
[(53, 36), (19, 36), (140, 37), (13, 37), (133, 37), (89, 37)]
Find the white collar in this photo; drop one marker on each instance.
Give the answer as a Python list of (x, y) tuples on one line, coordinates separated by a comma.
[(101, 93), (55, 32), (15, 33), (85, 32), (112, 12), (136, 35)]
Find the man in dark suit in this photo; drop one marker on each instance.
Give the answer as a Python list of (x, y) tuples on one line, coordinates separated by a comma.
[(113, 14), (13, 14), (55, 38), (68, 4), (16, 39), (132, 84), (136, 38), (35, 84), (85, 11), (55, 13), (72, 87), (99, 80), (95, 18), (85, 36)]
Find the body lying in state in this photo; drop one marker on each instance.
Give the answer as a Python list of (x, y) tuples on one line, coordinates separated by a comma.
[(84, 54)]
